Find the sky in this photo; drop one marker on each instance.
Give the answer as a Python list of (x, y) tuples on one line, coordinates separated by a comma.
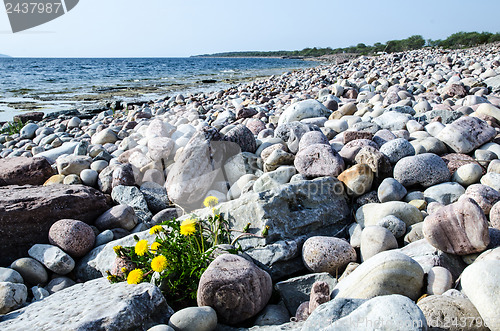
[(180, 28)]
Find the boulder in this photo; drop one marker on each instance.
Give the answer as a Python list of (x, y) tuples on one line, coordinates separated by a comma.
[(460, 228), (100, 306), (12, 296), (466, 134), (197, 167), (236, 288), (28, 212), (24, 170)]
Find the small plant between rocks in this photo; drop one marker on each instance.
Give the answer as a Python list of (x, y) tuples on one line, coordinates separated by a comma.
[(179, 255)]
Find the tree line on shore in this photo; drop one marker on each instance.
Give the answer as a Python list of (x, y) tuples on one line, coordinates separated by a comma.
[(456, 40)]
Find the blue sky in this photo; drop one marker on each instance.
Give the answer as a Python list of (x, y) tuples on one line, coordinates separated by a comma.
[(172, 28)]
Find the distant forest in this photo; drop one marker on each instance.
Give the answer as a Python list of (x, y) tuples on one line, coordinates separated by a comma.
[(456, 40)]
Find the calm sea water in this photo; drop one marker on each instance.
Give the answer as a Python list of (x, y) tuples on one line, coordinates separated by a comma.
[(57, 84)]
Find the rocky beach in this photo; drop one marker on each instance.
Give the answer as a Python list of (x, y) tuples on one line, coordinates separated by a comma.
[(367, 193)]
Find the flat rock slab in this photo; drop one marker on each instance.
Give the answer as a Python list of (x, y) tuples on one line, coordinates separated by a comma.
[(95, 305), (24, 170), (28, 212)]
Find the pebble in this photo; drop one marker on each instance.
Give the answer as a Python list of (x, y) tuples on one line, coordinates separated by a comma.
[(397, 149), (319, 160), (31, 270), (327, 254), (468, 174), (425, 169), (52, 257), (12, 296), (10, 275), (74, 237), (393, 224), (444, 193), (376, 239), (439, 280), (194, 319), (390, 190)]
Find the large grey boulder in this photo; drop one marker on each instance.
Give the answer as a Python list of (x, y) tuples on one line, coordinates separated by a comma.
[(94, 305)]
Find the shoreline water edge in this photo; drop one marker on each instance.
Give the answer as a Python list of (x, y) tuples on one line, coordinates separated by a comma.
[(362, 194)]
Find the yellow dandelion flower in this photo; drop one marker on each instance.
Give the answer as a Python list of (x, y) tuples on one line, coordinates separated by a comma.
[(141, 247), (124, 270), (110, 278), (159, 263), (156, 229), (135, 276), (210, 201), (117, 249), (188, 227), (155, 246)]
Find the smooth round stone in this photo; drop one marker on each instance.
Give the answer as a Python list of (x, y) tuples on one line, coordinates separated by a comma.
[(74, 122), (12, 296), (439, 280), (425, 169), (492, 180), (29, 131), (396, 149), (468, 174), (327, 254), (10, 275), (389, 272), (74, 237), (72, 180), (31, 270), (393, 224), (273, 179), (337, 125), (444, 193), (103, 238), (484, 195), (103, 137), (59, 284), (55, 179), (445, 312), (390, 190), (376, 239), (480, 283), (358, 179), (303, 109), (194, 319), (98, 165), (89, 177)]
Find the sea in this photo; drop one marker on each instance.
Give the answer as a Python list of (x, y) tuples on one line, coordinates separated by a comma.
[(53, 84)]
